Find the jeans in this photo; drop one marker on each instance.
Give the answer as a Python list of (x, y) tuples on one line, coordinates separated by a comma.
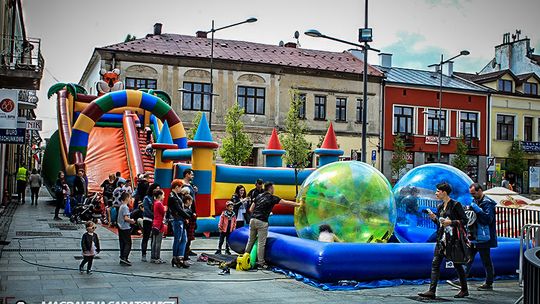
[(35, 193), (257, 230), (87, 259), (436, 272), (147, 229), (485, 255), (124, 237), (180, 238), (157, 237), (224, 236), (59, 204)]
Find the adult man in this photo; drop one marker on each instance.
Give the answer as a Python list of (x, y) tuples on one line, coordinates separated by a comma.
[(258, 225), (252, 195), (192, 223), (505, 183), (79, 187), (484, 207), (22, 178)]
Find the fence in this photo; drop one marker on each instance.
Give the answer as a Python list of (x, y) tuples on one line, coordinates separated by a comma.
[(510, 221), (529, 263)]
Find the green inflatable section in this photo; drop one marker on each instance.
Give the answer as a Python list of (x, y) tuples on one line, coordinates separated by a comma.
[(52, 163), (253, 254)]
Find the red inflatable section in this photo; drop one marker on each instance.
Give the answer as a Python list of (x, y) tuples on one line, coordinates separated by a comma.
[(106, 154)]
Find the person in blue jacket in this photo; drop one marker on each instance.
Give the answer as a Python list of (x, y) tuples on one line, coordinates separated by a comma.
[(484, 207)]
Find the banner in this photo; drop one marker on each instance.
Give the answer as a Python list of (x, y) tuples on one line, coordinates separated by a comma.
[(8, 109)]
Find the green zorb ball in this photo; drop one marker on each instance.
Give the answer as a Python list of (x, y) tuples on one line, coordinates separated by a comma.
[(352, 197)]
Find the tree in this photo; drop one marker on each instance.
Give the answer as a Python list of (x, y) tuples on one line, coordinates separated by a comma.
[(516, 159), (129, 38), (461, 161), (196, 121), (237, 146), (294, 140), (399, 157)]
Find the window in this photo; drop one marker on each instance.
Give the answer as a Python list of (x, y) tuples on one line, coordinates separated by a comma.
[(140, 83), (251, 100), (505, 85), (359, 110), (302, 109), (469, 125), (196, 96), (403, 120), (528, 129), (341, 109), (530, 88), (320, 108), (505, 127), (433, 122)]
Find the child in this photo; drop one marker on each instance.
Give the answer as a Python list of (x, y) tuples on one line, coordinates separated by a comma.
[(327, 235), (158, 226), (124, 229), (227, 223), (90, 247)]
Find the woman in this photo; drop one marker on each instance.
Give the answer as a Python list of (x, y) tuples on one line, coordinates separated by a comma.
[(158, 227), (148, 218), (61, 190), (449, 217), (35, 183), (180, 215), (239, 200)]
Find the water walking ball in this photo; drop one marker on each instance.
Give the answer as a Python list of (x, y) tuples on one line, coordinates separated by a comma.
[(415, 192), (353, 198)]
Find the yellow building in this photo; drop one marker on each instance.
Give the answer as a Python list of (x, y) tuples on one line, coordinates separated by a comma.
[(256, 76), (514, 116)]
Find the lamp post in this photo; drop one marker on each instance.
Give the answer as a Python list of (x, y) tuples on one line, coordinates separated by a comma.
[(365, 36), (212, 31), (439, 68)]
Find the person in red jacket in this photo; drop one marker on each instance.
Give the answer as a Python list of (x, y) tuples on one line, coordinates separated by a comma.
[(158, 227), (227, 223)]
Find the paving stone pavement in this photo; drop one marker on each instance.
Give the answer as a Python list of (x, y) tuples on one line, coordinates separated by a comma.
[(49, 273)]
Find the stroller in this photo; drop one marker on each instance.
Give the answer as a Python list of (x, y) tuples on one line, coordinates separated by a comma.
[(90, 210)]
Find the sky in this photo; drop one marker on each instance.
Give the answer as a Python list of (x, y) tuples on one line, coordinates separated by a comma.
[(416, 32)]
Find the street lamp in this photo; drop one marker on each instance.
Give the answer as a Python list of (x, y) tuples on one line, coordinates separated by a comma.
[(439, 68), (364, 36), (213, 30)]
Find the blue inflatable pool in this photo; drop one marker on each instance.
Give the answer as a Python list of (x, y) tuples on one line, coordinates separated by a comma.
[(211, 224), (331, 262)]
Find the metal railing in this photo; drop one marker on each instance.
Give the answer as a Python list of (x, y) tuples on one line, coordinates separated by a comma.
[(18, 53), (510, 221), (529, 279)]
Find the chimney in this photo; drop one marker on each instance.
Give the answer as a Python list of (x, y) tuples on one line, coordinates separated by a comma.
[(385, 60), (290, 45), (201, 34), (157, 28), (448, 68), (357, 53)]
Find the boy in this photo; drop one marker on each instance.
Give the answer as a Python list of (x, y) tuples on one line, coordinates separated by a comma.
[(227, 223), (124, 229), (90, 247)]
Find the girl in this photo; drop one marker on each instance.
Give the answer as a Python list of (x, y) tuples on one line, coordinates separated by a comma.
[(327, 235), (148, 218), (227, 223), (239, 198), (180, 215), (158, 227), (35, 184), (90, 247)]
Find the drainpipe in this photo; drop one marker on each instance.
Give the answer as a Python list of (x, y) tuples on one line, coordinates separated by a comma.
[(488, 140)]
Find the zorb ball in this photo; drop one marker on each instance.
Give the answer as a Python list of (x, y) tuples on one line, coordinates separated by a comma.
[(415, 192), (353, 198)]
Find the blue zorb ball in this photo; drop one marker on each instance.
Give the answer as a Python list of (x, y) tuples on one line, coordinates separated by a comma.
[(415, 192)]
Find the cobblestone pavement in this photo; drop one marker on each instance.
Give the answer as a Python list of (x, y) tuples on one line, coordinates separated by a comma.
[(51, 256)]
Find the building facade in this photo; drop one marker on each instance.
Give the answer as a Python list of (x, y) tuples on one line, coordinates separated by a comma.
[(513, 76), (21, 69), (411, 111), (258, 77)]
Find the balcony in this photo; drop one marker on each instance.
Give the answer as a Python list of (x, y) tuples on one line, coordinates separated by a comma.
[(472, 142), (21, 63)]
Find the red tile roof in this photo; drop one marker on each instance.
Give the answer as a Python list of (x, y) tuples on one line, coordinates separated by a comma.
[(243, 51)]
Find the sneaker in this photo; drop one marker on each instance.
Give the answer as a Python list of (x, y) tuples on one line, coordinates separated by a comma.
[(428, 294), (152, 261), (160, 261), (143, 259), (462, 294), (225, 271), (454, 283), (81, 270), (56, 218), (485, 287), (263, 266), (125, 262), (89, 271), (217, 252), (227, 252)]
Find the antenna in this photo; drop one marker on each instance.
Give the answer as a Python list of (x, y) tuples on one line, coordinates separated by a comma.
[(296, 36)]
